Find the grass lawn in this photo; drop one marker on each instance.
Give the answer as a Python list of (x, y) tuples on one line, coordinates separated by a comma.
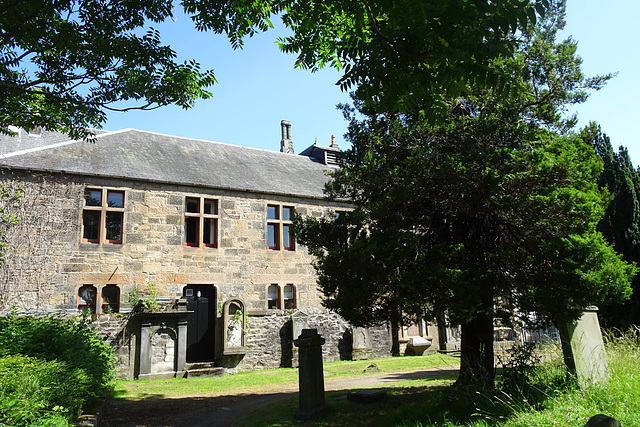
[(179, 387), (537, 396)]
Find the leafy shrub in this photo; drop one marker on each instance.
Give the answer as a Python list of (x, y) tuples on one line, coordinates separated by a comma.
[(33, 390), (63, 339), (50, 366)]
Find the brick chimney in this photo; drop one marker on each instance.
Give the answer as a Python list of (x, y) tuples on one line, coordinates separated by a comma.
[(333, 142), (286, 144)]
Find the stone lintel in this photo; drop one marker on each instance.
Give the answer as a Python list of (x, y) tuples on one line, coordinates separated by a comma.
[(76, 279), (198, 278)]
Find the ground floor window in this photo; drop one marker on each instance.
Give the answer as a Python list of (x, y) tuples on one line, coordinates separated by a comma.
[(87, 299), (284, 297), (289, 297), (111, 299), (89, 303), (273, 296)]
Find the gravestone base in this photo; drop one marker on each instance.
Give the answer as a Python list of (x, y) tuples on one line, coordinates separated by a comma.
[(361, 354), (312, 413)]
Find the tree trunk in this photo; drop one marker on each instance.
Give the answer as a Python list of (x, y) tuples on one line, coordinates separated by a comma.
[(476, 354)]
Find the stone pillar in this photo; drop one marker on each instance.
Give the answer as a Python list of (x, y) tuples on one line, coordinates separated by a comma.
[(181, 361), (145, 347), (311, 379)]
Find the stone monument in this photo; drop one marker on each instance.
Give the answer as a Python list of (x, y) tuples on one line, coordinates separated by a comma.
[(583, 349), (311, 379), (361, 344)]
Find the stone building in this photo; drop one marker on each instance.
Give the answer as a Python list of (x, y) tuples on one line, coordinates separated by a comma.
[(194, 224)]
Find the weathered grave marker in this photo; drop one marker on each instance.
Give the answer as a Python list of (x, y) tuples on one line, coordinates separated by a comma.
[(583, 349), (361, 343), (311, 379), (299, 321)]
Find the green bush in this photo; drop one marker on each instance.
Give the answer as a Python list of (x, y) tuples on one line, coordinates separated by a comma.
[(64, 339), (32, 390), (50, 366)]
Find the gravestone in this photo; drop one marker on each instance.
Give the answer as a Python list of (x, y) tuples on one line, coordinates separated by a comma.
[(361, 343), (311, 380), (299, 321), (583, 349)]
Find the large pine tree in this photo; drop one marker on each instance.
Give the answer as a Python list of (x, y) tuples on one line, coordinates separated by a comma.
[(488, 214)]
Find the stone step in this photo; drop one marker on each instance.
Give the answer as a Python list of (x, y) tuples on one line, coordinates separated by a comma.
[(200, 365), (205, 372)]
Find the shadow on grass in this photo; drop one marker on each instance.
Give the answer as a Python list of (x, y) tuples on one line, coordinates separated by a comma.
[(434, 401), (187, 411)]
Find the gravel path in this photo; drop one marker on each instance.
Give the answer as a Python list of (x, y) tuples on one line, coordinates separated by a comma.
[(225, 410)]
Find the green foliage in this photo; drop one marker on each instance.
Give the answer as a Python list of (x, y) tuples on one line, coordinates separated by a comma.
[(64, 64), (34, 391), (621, 222), (491, 214), (150, 301), (64, 340), (399, 55), (11, 192)]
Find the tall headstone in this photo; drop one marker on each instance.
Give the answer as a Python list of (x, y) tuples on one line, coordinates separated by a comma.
[(583, 349), (361, 343), (310, 372), (299, 321)]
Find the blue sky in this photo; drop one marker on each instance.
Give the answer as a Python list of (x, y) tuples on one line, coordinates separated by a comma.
[(258, 86)]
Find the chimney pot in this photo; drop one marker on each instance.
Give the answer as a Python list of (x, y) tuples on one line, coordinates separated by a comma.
[(286, 144)]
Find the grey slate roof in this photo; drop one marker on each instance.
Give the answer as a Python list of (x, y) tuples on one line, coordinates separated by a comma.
[(141, 155), (26, 141)]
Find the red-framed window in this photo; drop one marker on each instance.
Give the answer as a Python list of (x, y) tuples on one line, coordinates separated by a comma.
[(289, 296), (273, 296), (103, 215), (279, 226), (87, 297), (201, 222), (110, 299)]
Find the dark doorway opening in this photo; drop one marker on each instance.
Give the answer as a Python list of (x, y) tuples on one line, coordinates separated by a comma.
[(201, 323)]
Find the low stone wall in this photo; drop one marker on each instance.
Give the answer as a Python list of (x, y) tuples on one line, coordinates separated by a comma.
[(269, 340)]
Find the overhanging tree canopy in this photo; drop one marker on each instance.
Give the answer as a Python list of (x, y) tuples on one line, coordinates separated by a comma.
[(65, 63)]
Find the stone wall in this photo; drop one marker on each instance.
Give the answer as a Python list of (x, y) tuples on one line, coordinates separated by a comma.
[(270, 340), (46, 261)]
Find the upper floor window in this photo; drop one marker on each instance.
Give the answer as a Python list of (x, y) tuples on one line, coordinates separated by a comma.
[(279, 224), (201, 222), (102, 215)]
